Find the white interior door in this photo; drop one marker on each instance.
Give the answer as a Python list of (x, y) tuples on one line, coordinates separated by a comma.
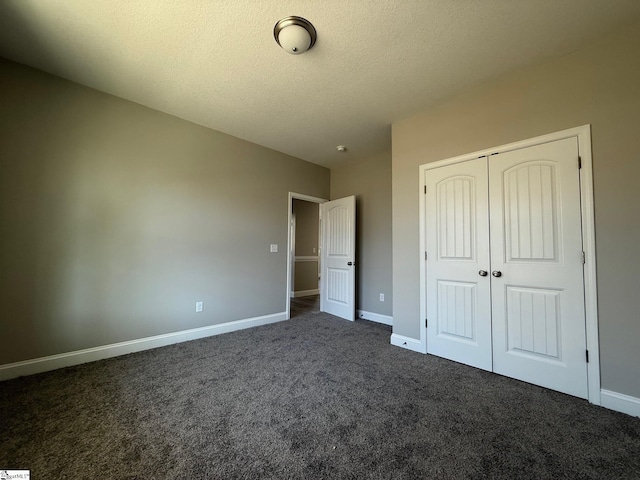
[(457, 281), (537, 271), (337, 291)]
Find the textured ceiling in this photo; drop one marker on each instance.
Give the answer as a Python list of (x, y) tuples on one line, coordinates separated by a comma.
[(215, 62)]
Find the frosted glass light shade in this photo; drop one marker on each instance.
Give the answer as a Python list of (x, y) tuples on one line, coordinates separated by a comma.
[(294, 39), (295, 35)]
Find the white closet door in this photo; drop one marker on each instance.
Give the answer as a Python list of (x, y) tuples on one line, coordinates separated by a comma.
[(537, 280), (457, 243)]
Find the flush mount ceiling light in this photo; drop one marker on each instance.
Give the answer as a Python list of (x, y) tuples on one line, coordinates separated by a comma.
[(295, 35)]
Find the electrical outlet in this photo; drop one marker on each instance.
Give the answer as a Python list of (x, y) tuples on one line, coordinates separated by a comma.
[(199, 307), (274, 248), (382, 297)]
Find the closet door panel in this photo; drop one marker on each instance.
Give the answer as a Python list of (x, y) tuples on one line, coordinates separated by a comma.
[(456, 221), (536, 255)]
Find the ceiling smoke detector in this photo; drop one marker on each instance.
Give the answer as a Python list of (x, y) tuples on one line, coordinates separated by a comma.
[(341, 148), (295, 35)]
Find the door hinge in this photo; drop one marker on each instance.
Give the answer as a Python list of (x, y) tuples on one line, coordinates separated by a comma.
[(579, 162), (426, 323), (587, 351), (584, 258), (425, 255), (425, 189)]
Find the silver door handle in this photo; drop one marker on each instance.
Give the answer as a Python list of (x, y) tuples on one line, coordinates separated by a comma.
[(496, 273), (483, 273)]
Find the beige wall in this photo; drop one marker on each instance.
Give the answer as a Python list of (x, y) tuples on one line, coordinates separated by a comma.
[(307, 216), (598, 85), (116, 219), (306, 244), (305, 276), (370, 181)]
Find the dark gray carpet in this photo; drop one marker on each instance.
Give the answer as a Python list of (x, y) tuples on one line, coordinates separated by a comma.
[(315, 397)]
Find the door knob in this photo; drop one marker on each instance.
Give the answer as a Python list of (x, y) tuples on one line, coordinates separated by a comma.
[(351, 263), (496, 273), (483, 273)]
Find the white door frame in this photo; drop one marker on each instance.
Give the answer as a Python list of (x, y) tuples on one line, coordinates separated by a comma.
[(583, 135), (306, 198)]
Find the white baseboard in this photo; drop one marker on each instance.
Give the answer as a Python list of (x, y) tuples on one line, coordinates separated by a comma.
[(620, 402), (408, 343), (52, 362), (305, 293), (375, 317)]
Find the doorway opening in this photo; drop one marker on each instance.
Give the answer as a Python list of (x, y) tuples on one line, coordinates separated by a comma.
[(303, 263)]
